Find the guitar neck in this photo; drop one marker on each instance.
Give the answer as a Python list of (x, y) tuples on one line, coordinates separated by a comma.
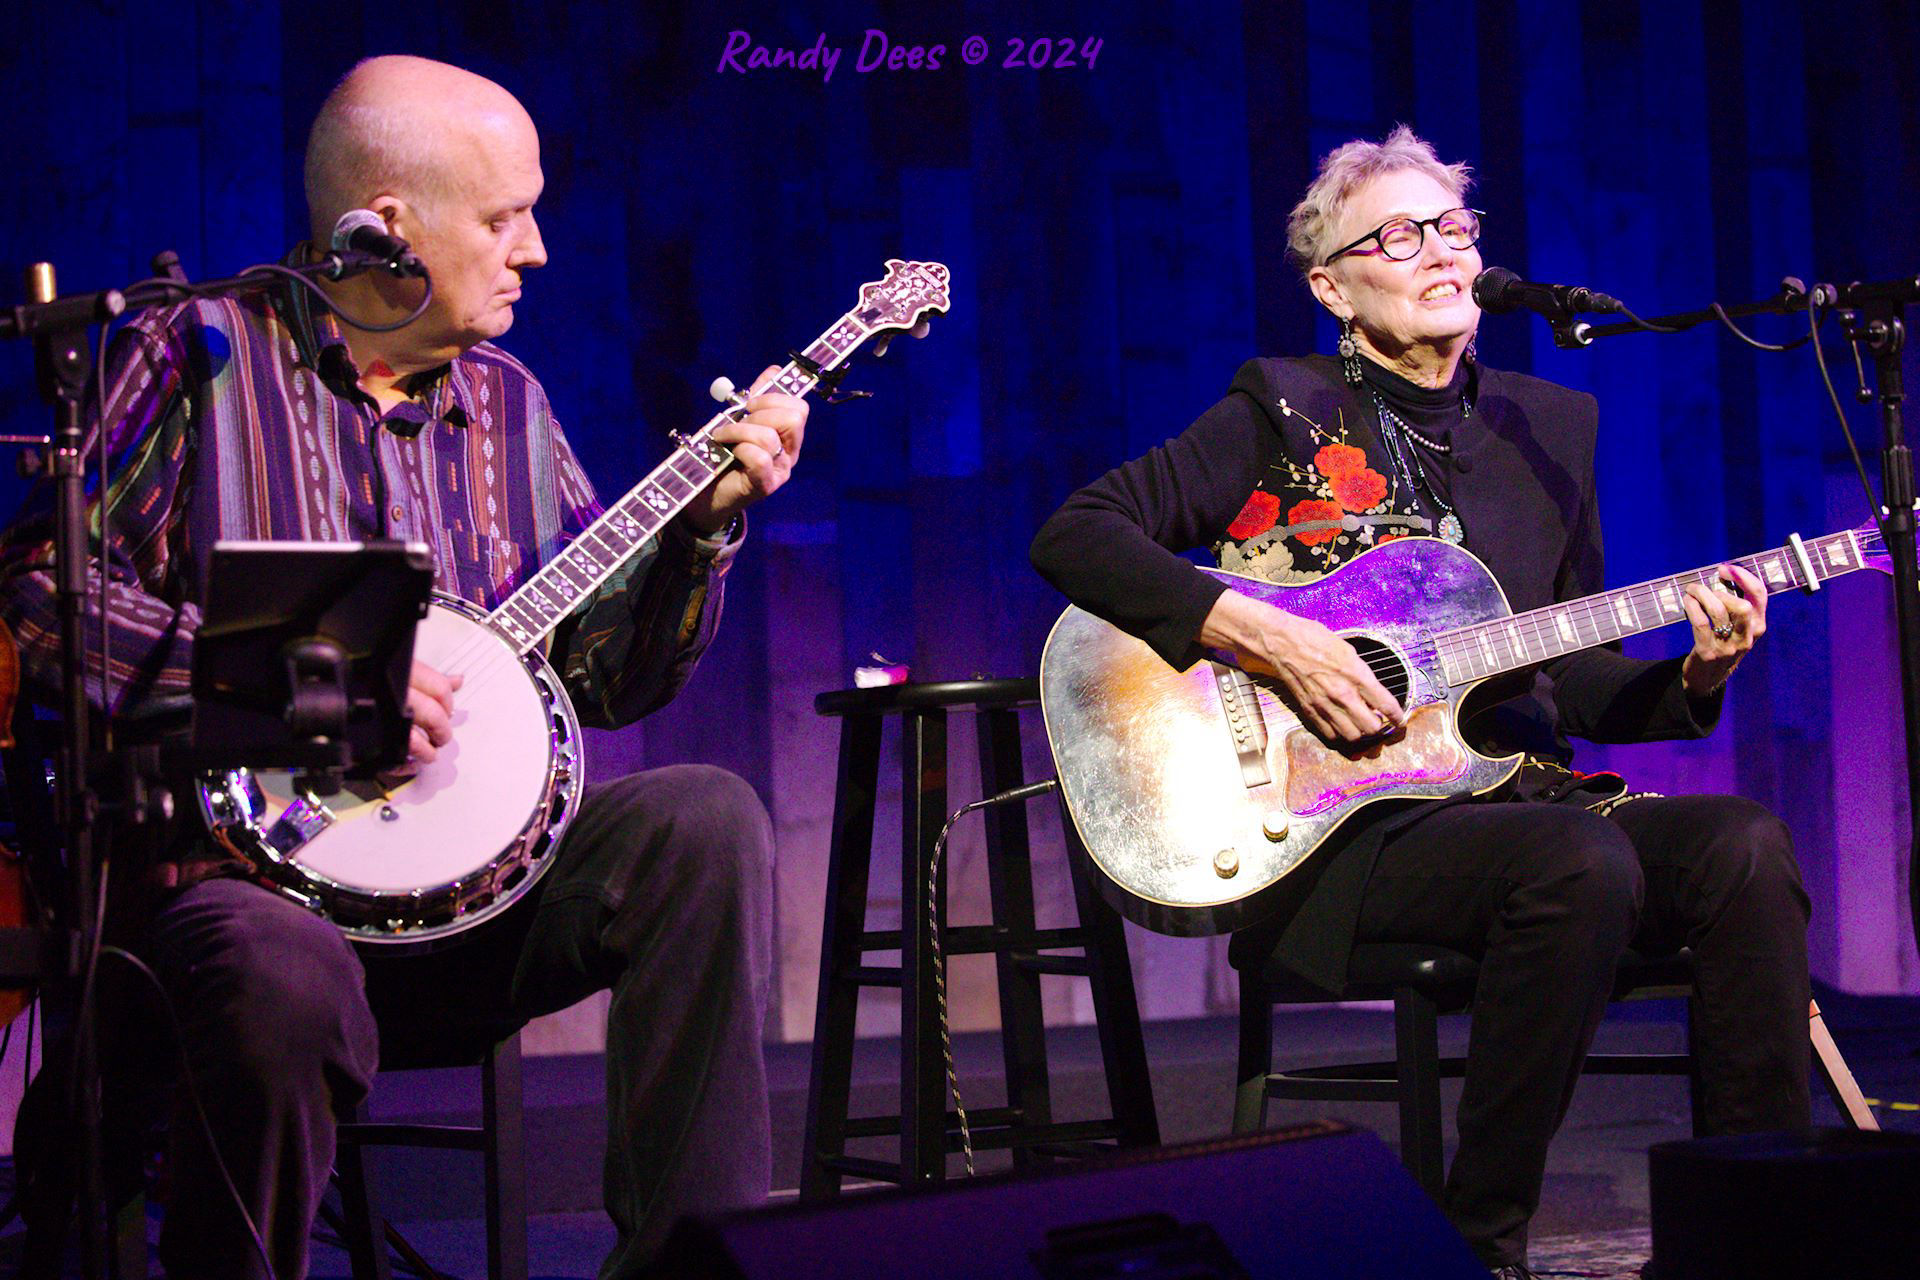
[(1526, 639), (544, 600)]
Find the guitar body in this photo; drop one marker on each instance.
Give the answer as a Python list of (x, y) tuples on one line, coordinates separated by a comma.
[(1196, 792)]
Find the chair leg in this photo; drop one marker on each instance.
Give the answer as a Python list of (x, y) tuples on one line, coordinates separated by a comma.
[(1256, 1055), (506, 1166), (1416, 1033), (364, 1230), (1693, 1068)]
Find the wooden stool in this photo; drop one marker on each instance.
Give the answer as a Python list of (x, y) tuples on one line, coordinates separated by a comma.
[(928, 1131)]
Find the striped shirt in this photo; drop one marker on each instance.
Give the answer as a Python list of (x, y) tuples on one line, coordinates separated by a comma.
[(241, 418)]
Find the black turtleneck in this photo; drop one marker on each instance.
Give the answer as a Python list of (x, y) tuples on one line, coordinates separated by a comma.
[(1434, 412)]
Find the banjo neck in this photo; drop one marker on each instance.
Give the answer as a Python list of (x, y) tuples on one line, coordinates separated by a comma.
[(530, 614)]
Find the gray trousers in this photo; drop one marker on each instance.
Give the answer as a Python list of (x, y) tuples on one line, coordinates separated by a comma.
[(660, 890)]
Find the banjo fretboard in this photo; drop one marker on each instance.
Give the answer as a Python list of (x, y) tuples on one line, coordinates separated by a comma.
[(545, 599)]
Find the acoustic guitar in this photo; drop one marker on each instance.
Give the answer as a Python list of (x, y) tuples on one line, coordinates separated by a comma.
[(1197, 792)]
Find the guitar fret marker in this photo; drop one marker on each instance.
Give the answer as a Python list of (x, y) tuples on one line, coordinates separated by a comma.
[(1565, 625), (1625, 615)]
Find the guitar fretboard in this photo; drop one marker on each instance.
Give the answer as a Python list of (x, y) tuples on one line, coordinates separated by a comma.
[(1506, 644), (545, 599)]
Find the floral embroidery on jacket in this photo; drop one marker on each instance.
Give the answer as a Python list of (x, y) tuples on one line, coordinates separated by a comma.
[(1334, 509)]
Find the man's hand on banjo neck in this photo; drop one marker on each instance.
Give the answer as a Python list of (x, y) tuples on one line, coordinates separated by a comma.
[(766, 443)]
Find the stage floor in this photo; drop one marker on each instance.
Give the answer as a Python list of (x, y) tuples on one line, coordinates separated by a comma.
[(1592, 1220)]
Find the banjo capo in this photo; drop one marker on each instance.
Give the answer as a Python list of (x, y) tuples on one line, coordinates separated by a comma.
[(828, 380)]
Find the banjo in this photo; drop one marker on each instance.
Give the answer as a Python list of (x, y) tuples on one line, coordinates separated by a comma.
[(463, 838)]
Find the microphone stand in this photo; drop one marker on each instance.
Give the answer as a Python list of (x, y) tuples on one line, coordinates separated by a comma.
[(63, 361), (1872, 316)]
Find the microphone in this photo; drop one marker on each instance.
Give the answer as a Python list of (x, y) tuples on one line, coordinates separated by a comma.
[(364, 231), (1499, 290)]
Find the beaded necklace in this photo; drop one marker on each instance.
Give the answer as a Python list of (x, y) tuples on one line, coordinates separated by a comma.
[(1392, 429)]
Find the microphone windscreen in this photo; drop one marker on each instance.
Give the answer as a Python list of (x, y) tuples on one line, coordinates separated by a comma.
[(1493, 290), (351, 221)]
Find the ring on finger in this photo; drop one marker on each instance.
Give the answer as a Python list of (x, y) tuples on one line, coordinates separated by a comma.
[(1724, 630)]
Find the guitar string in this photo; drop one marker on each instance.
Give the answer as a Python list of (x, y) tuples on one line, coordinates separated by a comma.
[(1467, 642), (1547, 642), (1462, 649)]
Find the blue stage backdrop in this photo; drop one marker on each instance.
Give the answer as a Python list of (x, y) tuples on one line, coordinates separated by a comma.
[(1115, 234)]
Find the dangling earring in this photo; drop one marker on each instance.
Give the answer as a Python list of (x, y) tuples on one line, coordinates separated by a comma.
[(1349, 353), (1473, 349)]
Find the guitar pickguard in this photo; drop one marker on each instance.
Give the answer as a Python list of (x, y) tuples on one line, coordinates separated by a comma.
[(1426, 753)]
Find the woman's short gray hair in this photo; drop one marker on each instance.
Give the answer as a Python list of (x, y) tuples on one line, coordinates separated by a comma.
[(1312, 225)]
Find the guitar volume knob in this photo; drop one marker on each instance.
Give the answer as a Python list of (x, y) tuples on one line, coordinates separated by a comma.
[(1274, 824), (1226, 863)]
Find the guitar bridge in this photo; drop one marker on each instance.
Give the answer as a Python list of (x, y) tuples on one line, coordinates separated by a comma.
[(1245, 722)]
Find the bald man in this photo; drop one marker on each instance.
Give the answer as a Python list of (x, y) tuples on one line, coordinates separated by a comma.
[(268, 418)]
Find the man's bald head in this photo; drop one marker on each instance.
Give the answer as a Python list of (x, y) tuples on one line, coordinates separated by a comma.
[(403, 126)]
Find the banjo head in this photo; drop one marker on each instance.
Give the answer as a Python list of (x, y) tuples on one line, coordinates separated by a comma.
[(433, 855)]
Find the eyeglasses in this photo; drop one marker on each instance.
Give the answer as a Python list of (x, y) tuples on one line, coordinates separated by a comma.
[(1401, 238)]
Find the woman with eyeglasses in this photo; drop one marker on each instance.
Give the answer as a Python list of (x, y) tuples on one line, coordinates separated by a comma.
[(1311, 461)]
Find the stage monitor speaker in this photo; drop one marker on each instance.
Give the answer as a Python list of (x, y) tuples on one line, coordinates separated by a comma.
[(1827, 1202), (1314, 1202)]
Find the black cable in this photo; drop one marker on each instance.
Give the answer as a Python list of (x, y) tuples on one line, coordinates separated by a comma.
[(1753, 342), (1826, 376), (193, 1096), (1648, 325), (1026, 792), (276, 268)]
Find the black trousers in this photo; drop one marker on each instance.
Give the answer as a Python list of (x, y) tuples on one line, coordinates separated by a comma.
[(661, 891), (1547, 897)]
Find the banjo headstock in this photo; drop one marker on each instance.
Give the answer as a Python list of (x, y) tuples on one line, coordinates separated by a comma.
[(911, 292)]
